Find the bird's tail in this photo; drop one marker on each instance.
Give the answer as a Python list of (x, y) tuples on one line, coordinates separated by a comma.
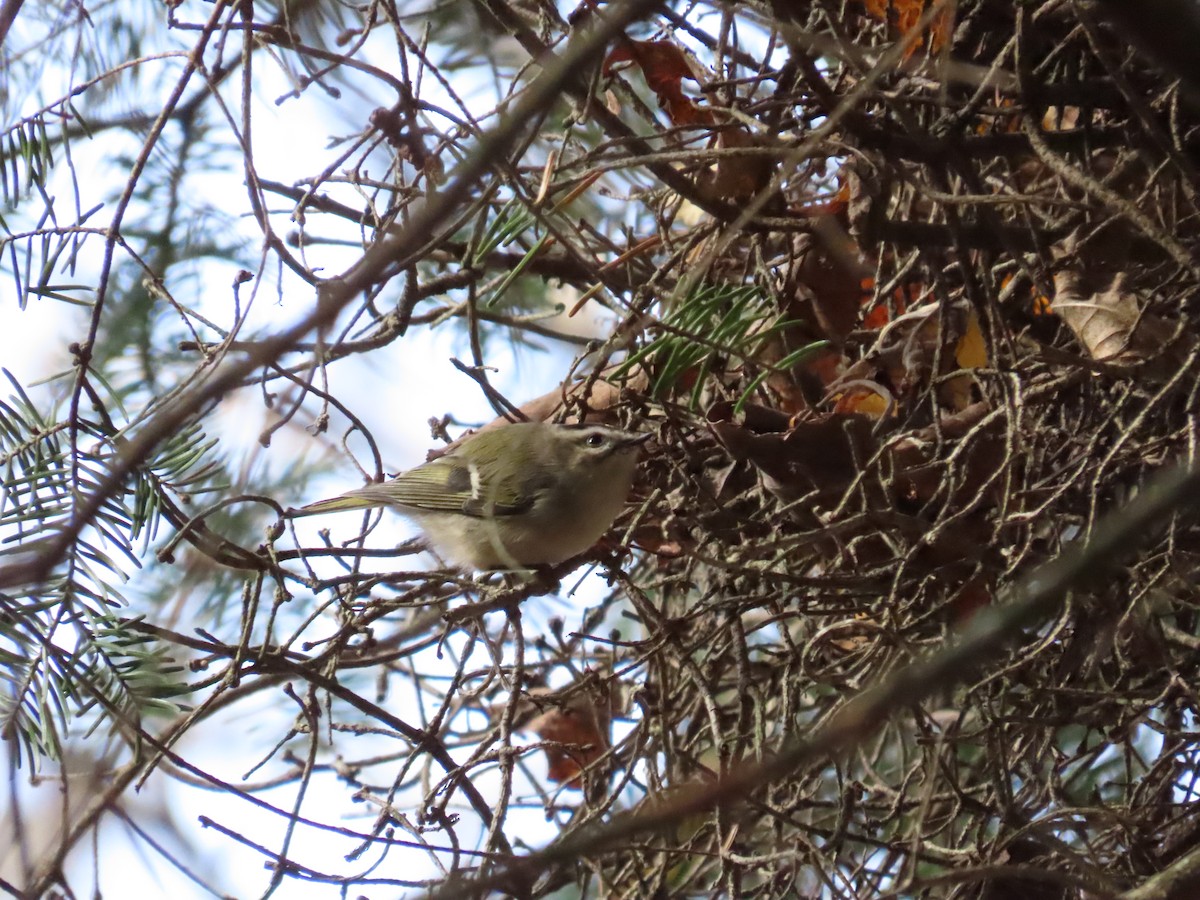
[(352, 500)]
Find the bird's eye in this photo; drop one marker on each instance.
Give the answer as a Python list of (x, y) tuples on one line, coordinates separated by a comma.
[(595, 439)]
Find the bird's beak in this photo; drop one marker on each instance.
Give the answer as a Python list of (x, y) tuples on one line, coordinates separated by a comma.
[(635, 439)]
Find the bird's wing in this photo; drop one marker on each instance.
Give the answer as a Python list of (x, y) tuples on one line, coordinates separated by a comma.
[(443, 485), (446, 485)]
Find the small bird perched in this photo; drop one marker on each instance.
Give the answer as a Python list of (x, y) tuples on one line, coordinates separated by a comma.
[(516, 496)]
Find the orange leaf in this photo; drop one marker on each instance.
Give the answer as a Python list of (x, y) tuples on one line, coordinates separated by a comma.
[(906, 15), (1040, 303), (741, 177), (664, 65), (579, 730), (826, 366), (863, 401), (903, 297)]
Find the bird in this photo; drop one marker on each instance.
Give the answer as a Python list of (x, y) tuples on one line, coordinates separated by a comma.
[(519, 496)]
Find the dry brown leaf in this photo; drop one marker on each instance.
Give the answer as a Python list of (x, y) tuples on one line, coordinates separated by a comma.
[(918, 477), (906, 14), (1108, 323), (826, 281), (821, 454), (664, 65), (580, 725), (738, 177), (904, 355), (867, 398)]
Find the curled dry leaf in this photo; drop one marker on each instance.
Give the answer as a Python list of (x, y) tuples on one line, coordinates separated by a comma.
[(741, 177), (577, 731), (907, 13), (795, 459), (824, 283), (919, 477), (905, 354), (664, 65), (822, 292), (1109, 323), (829, 289), (821, 458)]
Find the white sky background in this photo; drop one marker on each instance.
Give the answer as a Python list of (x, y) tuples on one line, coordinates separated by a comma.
[(395, 391)]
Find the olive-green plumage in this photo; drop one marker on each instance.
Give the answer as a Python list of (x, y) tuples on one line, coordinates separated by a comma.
[(516, 496)]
